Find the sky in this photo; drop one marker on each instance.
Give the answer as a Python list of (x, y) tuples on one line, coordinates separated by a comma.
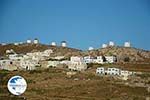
[(82, 23)]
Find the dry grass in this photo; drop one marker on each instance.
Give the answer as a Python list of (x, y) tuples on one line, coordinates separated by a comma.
[(54, 84)]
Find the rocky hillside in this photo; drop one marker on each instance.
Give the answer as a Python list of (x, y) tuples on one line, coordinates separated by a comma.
[(25, 48), (123, 54)]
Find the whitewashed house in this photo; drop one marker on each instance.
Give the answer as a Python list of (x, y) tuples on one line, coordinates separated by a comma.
[(112, 71), (107, 71), (26, 57), (10, 51), (15, 57), (100, 71), (99, 60), (111, 59), (28, 64), (76, 59), (65, 62), (47, 52), (59, 57), (34, 56), (53, 63), (8, 64), (88, 59), (77, 63), (77, 66), (125, 73), (40, 55)]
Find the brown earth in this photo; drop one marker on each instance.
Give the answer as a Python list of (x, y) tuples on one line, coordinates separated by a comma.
[(54, 84), (25, 48), (123, 54)]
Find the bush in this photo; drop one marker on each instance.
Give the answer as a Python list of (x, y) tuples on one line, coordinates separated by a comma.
[(35, 71), (126, 59)]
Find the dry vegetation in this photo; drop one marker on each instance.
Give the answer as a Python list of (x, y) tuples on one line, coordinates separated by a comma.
[(54, 84)]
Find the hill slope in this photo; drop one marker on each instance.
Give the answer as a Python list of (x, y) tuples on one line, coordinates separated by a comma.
[(25, 48), (123, 54)]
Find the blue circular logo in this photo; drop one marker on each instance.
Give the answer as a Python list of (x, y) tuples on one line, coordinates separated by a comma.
[(17, 85)]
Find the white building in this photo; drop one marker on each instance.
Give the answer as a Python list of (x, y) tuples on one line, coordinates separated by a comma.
[(77, 63), (107, 71), (125, 73), (53, 63), (39, 55), (47, 52), (76, 59), (100, 71), (59, 57), (77, 66), (53, 44), (111, 59), (8, 64), (104, 45), (127, 44), (36, 41), (64, 44), (113, 71), (88, 59), (10, 51), (28, 64), (99, 60), (90, 48), (15, 57), (29, 41), (111, 43)]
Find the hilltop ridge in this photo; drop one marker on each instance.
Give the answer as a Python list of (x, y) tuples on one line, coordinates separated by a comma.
[(123, 54)]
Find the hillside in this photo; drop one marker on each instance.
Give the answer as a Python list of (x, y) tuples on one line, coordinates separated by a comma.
[(25, 48), (123, 54), (55, 84)]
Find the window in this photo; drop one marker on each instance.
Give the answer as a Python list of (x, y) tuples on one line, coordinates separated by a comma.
[(11, 62)]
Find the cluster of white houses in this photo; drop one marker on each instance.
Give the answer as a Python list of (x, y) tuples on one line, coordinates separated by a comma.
[(29, 61), (100, 59), (80, 63), (112, 71)]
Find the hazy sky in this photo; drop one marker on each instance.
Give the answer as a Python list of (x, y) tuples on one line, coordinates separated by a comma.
[(82, 23)]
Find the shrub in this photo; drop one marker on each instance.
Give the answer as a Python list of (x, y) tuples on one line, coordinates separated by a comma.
[(126, 59)]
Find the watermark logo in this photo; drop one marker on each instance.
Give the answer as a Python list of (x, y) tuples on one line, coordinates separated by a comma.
[(17, 85)]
